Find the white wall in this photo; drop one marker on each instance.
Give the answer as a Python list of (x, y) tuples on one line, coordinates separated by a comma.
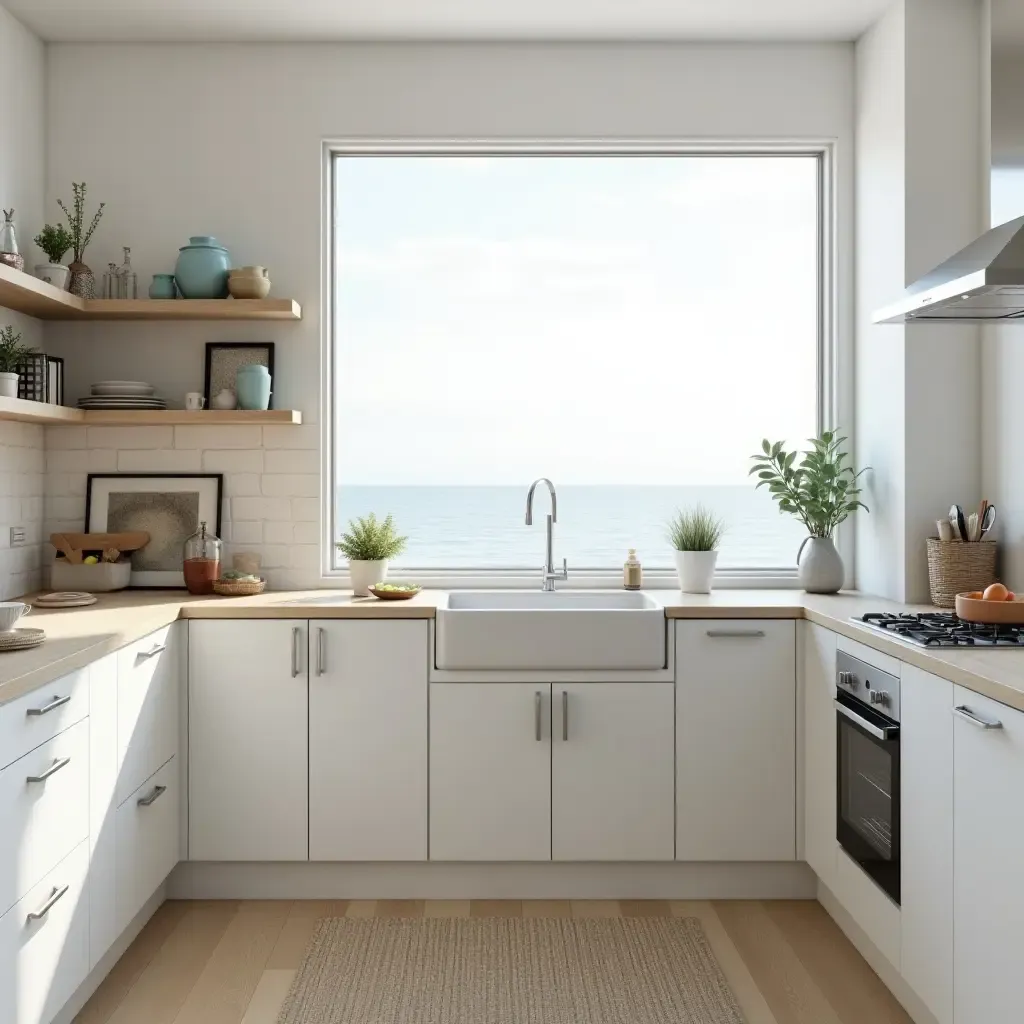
[(226, 140), (21, 186)]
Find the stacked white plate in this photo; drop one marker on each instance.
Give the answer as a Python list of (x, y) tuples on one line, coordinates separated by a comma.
[(122, 394)]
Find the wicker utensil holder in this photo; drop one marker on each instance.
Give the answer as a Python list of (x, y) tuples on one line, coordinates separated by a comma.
[(955, 567)]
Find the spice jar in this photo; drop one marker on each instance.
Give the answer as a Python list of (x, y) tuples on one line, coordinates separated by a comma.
[(632, 572), (202, 561)]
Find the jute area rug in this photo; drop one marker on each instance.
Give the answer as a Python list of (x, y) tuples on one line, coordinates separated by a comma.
[(516, 970)]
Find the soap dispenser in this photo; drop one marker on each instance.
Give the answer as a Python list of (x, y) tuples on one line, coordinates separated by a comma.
[(632, 572)]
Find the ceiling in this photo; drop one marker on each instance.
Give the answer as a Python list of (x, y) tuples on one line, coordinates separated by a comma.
[(328, 20)]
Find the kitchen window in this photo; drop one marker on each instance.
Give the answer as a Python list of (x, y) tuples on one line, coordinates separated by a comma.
[(630, 324)]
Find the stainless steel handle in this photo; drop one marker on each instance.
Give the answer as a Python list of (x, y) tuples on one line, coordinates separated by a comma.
[(296, 636), (52, 770), (37, 915), (964, 712), (321, 650), (152, 652), (748, 634), (145, 801), (538, 714), (869, 727), (55, 703), (565, 714)]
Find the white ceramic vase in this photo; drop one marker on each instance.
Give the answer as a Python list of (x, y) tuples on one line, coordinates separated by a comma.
[(8, 385), (819, 566), (696, 571), (365, 573), (53, 273)]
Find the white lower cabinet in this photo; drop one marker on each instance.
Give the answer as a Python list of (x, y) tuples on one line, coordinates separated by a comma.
[(612, 789), (818, 694), (248, 740), (926, 852), (44, 943), (490, 771), (368, 740), (736, 740), (147, 841), (988, 893)]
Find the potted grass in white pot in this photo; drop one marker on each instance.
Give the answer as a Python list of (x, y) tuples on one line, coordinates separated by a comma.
[(695, 534), (369, 545), (12, 355)]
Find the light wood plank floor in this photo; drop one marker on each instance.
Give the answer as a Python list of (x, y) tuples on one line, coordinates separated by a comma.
[(231, 961)]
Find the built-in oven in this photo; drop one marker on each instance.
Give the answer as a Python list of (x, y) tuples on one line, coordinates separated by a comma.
[(868, 778)]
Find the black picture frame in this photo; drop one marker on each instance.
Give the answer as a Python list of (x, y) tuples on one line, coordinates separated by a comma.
[(146, 580), (214, 346)]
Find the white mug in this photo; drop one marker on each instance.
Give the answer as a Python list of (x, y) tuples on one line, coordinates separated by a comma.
[(10, 612), (194, 401)]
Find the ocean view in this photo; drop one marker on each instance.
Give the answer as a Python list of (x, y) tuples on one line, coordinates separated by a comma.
[(483, 527)]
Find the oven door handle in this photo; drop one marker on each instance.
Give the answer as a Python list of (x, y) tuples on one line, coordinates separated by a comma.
[(889, 732)]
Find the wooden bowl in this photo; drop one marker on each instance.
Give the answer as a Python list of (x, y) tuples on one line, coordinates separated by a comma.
[(395, 595), (993, 613)]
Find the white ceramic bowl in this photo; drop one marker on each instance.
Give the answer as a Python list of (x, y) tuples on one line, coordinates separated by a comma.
[(10, 612)]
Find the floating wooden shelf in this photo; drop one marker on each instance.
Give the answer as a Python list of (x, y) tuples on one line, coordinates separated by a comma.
[(27, 294), (40, 412)]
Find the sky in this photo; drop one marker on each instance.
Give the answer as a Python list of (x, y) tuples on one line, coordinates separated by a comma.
[(595, 319)]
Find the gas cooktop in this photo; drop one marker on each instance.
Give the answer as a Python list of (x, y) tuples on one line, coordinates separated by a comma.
[(942, 629)]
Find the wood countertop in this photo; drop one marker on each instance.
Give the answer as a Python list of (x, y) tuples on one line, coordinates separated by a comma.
[(76, 637)]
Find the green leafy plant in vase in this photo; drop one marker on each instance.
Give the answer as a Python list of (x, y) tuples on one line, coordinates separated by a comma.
[(369, 545), (695, 534), (12, 355), (55, 242), (822, 492), (83, 283)]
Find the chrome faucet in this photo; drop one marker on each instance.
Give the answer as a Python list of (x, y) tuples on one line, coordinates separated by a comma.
[(550, 575)]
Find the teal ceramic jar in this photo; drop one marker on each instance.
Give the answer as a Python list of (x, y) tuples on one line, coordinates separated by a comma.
[(252, 384), (202, 269), (162, 287)]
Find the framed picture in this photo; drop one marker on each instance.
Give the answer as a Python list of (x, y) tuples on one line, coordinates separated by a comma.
[(55, 380), (223, 359), (168, 506)]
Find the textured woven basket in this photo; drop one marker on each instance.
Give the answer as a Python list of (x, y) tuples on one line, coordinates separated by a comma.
[(955, 567), (239, 588)]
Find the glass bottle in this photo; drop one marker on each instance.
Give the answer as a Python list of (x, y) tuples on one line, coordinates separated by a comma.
[(127, 279), (9, 254), (201, 563), (111, 288)]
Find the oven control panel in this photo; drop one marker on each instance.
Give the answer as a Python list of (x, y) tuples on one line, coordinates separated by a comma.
[(869, 685)]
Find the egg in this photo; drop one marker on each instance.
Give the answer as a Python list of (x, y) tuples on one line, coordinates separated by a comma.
[(995, 592)]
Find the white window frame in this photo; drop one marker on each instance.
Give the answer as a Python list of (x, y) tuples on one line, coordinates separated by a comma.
[(834, 405)]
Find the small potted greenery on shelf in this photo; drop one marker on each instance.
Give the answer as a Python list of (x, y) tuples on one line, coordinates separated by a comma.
[(695, 534), (55, 242), (12, 355), (369, 545)]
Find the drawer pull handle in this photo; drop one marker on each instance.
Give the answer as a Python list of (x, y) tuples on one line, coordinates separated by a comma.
[(747, 634), (538, 714), (565, 715), (38, 915), (145, 801), (62, 762), (962, 711), (55, 703), (296, 664), (321, 651), (152, 652)]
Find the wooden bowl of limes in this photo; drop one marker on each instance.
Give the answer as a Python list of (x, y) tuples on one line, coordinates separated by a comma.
[(395, 591), (995, 606)]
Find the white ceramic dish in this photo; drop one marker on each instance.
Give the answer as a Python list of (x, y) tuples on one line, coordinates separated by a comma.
[(121, 384), (123, 392), (10, 612)]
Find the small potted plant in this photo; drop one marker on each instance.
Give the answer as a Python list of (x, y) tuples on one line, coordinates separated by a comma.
[(821, 492), (695, 534), (369, 545), (54, 241), (83, 283), (12, 355)]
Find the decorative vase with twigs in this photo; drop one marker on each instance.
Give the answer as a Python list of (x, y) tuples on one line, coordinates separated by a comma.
[(83, 282)]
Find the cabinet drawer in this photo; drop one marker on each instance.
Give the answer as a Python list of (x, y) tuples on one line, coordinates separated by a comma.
[(147, 840), (45, 957), (46, 818), (147, 709), (41, 714)]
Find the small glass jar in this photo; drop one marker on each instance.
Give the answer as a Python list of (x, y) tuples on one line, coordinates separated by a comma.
[(111, 286), (202, 561), (127, 279)]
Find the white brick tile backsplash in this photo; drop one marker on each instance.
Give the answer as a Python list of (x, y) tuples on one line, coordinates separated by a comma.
[(293, 485), (261, 508), (218, 437), (305, 436), (233, 461), (22, 487), (306, 533), (278, 533), (298, 460), (305, 510), (66, 437), (65, 508), (275, 556), (66, 461), (160, 461), (131, 437), (304, 556), (102, 460), (246, 532), (242, 484)]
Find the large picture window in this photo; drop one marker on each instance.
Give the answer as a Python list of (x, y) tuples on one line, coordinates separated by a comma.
[(630, 325)]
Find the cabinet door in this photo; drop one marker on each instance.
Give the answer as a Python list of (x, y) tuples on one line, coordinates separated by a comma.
[(368, 740), (736, 740), (926, 836), (490, 771), (818, 693), (988, 896), (248, 740), (612, 772)]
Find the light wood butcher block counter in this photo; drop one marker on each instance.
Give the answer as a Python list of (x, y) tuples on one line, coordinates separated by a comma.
[(76, 637)]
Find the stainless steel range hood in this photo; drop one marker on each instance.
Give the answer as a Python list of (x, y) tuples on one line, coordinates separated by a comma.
[(983, 283)]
